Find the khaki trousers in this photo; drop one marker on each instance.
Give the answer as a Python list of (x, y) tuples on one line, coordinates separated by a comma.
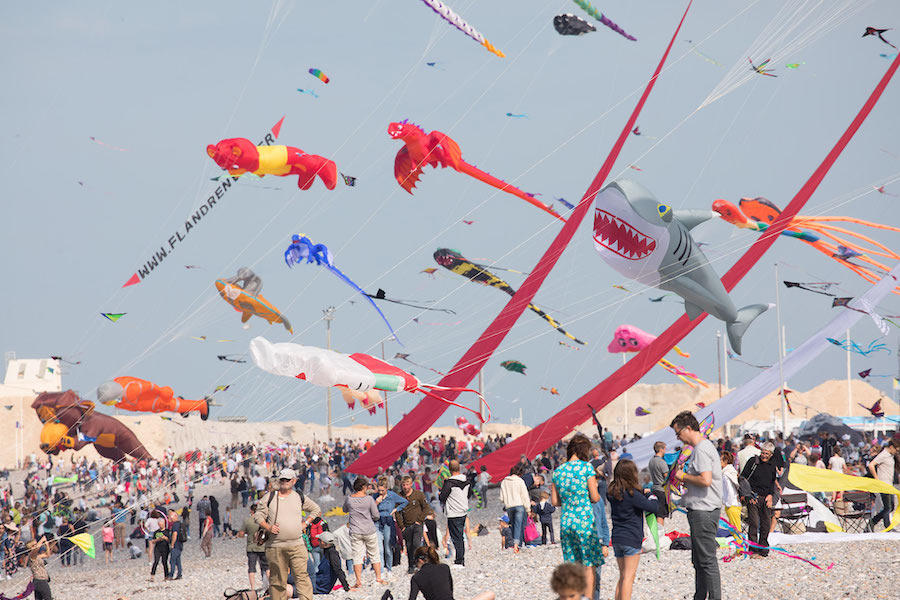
[(283, 559)]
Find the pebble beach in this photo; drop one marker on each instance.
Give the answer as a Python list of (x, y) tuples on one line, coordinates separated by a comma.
[(862, 570)]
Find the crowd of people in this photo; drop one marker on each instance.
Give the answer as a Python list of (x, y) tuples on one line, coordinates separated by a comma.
[(140, 507)]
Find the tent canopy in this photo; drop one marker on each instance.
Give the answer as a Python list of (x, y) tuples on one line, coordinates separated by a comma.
[(823, 422)]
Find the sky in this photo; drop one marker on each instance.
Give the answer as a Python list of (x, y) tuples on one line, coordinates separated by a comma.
[(109, 108)]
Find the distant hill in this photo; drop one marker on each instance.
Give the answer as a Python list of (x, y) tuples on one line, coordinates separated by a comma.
[(666, 400)]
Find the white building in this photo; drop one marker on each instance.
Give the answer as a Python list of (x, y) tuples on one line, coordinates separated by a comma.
[(25, 379)]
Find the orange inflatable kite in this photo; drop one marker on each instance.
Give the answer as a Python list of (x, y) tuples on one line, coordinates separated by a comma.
[(140, 395), (759, 213)]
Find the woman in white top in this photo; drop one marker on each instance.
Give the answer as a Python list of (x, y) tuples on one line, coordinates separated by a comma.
[(515, 498), (837, 462), (731, 499)]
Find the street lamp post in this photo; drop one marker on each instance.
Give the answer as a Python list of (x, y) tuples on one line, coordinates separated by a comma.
[(328, 317)]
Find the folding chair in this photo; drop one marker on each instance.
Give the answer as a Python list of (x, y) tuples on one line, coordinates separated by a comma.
[(794, 513), (856, 511)]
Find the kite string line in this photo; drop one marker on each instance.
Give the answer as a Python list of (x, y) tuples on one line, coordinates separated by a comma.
[(372, 213), (261, 230), (850, 197), (92, 330), (271, 18), (579, 318), (559, 147), (589, 125), (132, 506), (431, 43), (864, 190), (741, 73)]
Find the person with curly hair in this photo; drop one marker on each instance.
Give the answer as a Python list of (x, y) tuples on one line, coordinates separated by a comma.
[(568, 581), (575, 489)]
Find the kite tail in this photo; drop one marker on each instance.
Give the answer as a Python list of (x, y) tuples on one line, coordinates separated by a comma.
[(24, 594), (687, 381), (347, 280), (603, 19), (424, 367), (490, 48), (885, 252), (427, 392), (747, 544), (501, 185), (554, 324), (864, 272)]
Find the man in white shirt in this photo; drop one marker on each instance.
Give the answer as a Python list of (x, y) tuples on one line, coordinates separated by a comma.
[(747, 452), (882, 468), (259, 484)]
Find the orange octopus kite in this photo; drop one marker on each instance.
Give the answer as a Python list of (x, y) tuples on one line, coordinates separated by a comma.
[(762, 213), (140, 395), (439, 150)]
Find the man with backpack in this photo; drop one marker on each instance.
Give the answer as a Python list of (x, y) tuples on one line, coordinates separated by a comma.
[(454, 496), (280, 515)]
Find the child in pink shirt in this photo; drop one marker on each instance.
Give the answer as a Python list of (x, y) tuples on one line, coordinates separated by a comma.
[(108, 537)]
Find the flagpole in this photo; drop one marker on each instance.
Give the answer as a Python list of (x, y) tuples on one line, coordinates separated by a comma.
[(724, 356), (481, 397), (849, 389), (625, 396), (387, 421), (780, 353), (328, 316), (719, 360)]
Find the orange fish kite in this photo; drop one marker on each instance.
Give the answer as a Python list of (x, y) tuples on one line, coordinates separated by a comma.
[(140, 395)]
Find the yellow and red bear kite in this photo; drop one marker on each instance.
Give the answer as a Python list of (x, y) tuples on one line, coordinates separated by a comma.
[(239, 156)]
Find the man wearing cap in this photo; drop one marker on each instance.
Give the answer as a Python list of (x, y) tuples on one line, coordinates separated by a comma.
[(280, 513), (330, 570)]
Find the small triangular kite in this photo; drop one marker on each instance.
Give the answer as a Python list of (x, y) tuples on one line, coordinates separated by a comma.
[(113, 316), (85, 541), (276, 130)]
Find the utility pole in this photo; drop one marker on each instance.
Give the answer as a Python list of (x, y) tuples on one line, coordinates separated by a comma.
[(719, 359), (625, 396), (724, 356), (780, 354), (387, 421), (481, 397), (849, 389), (328, 316)]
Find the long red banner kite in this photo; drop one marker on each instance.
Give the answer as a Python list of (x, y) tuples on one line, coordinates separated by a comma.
[(556, 427), (428, 410)]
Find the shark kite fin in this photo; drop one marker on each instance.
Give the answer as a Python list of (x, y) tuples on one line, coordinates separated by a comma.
[(737, 328), (692, 218), (693, 311)]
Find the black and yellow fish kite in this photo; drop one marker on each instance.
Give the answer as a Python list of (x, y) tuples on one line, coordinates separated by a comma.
[(456, 262)]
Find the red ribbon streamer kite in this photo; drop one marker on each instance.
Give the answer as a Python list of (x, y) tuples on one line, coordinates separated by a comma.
[(429, 409)]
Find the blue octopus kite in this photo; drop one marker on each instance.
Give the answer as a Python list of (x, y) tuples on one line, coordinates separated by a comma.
[(851, 346), (302, 248)]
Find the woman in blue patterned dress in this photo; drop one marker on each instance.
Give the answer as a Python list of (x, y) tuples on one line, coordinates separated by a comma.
[(575, 488)]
